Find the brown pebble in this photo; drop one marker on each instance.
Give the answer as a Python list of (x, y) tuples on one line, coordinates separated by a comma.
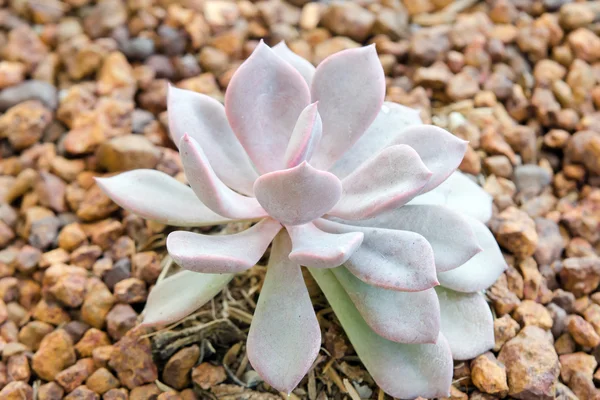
[(33, 332), (515, 231), (505, 328), (50, 391), (101, 381), (54, 355), (532, 365), (82, 393), (207, 375), (145, 392), (531, 313), (582, 331), (17, 391), (489, 375), (576, 362), (131, 290), (120, 320), (132, 360), (176, 372), (75, 375), (580, 275), (70, 290), (18, 368), (146, 266), (116, 394), (96, 305), (92, 339)]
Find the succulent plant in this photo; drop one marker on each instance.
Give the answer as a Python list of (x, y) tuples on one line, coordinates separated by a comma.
[(354, 188)]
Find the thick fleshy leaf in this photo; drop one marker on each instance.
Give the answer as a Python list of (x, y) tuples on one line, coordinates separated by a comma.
[(210, 189), (158, 197), (386, 181), (305, 138), (263, 101), (441, 151), (181, 294), (217, 254), (314, 248), (460, 194), (392, 259), (449, 233), (467, 323), (350, 87), (284, 337), (402, 370), (297, 195), (481, 271), (405, 317), (392, 119), (203, 118), (304, 67)]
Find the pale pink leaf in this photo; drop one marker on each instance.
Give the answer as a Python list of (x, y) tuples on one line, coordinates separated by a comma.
[(284, 337), (181, 294), (305, 138), (481, 271), (460, 194), (350, 87), (203, 118), (467, 323), (391, 259), (449, 233), (305, 68), (392, 119), (441, 151), (210, 189), (263, 101), (403, 371), (388, 180), (405, 317), (314, 248), (297, 195), (158, 197), (218, 254)]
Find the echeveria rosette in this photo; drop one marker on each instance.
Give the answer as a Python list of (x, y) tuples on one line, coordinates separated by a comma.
[(356, 189)]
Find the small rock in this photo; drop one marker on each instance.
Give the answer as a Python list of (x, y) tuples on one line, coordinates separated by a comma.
[(177, 370), (117, 394), (131, 290), (565, 344), (120, 270), (24, 45), (584, 147), (18, 368), (54, 355), (581, 276), (505, 328), (559, 319), (576, 362), (75, 375), (149, 391), (11, 73), (531, 364), (97, 303), (17, 391), (132, 360), (120, 320), (101, 381), (462, 86), (50, 312), (25, 123), (146, 266), (207, 375), (489, 375), (582, 331), (30, 90), (70, 290), (92, 339), (50, 391), (348, 19), (515, 231), (101, 355), (531, 313), (71, 236), (82, 393), (76, 329), (585, 44), (31, 335)]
